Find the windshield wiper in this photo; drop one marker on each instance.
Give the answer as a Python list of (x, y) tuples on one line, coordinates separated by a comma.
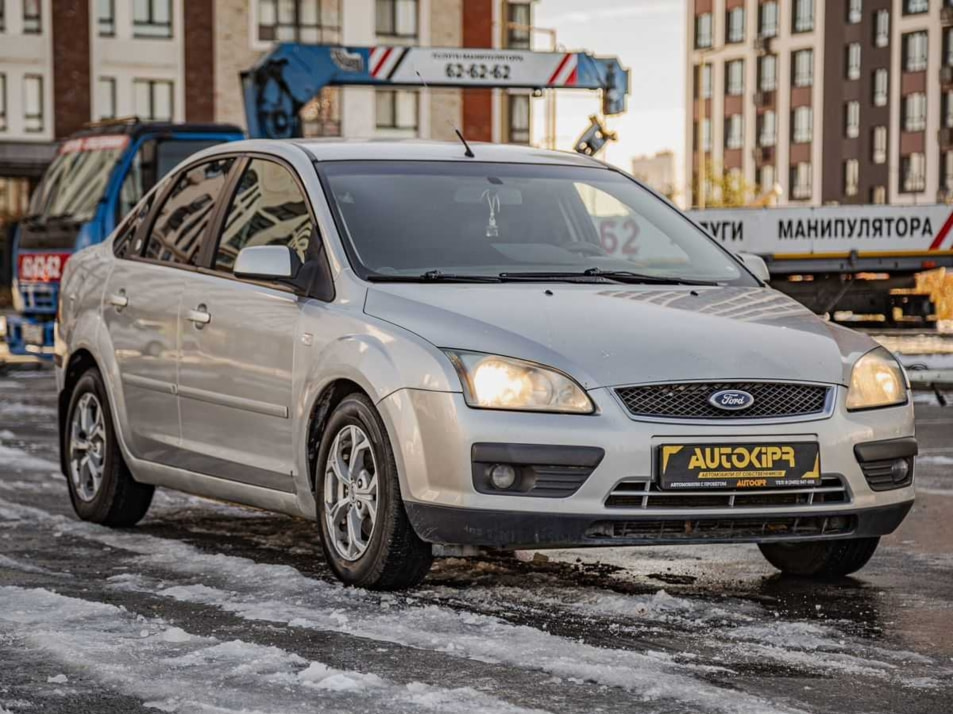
[(432, 276), (622, 276)]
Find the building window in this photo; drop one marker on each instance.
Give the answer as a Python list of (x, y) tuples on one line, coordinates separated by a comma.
[(519, 20), (803, 15), (703, 31), (946, 181), (734, 132), (947, 119), (322, 115), (519, 118), (768, 73), (855, 11), (948, 47), (915, 51), (804, 68), (106, 97), (878, 195), (915, 7), (882, 28), (913, 176), (3, 18), (152, 99), (32, 103), (881, 87), (802, 181), (768, 19), (851, 176), (852, 120), (32, 17), (705, 82), (3, 102), (735, 25), (767, 129), (106, 17), (766, 178), (803, 125), (706, 135), (397, 18), (397, 109), (915, 112), (309, 21), (879, 145), (853, 60), (152, 18), (734, 78)]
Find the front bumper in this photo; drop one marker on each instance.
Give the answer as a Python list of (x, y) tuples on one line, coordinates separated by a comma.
[(510, 529), (434, 433)]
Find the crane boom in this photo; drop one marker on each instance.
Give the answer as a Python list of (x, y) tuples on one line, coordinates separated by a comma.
[(289, 76)]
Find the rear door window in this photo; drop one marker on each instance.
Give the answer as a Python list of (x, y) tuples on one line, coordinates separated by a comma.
[(181, 225), (269, 208)]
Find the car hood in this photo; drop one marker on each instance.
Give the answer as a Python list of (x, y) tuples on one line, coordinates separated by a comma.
[(606, 335)]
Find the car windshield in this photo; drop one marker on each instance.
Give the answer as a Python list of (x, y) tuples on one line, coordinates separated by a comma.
[(404, 220), (76, 180)]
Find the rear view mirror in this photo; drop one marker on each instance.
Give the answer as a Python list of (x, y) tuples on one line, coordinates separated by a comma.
[(756, 264), (267, 262)]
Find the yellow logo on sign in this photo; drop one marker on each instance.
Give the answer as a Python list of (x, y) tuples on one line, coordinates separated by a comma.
[(741, 457)]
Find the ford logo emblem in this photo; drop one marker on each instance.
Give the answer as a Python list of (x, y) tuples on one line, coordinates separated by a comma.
[(731, 399)]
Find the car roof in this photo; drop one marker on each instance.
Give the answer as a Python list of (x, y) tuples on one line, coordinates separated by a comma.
[(415, 150)]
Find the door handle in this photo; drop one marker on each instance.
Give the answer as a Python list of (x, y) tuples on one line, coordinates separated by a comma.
[(119, 300), (199, 316)]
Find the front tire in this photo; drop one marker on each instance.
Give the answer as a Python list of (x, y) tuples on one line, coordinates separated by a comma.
[(100, 485), (365, 533), (820, 559)]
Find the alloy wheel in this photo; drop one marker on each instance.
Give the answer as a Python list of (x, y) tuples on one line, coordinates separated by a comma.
[(351, 492), (87, 447)]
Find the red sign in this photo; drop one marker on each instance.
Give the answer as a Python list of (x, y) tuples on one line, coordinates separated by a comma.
[(41, 267), (107, 142)]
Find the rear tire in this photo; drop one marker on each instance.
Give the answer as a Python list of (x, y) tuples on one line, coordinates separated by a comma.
[(100, 485), (820, 559), (366, 536)]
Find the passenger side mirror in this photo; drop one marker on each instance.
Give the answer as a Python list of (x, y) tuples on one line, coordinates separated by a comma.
[(267, 262), (754, 263)]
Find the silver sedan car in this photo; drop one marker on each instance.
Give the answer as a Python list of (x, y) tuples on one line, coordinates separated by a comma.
[(431, 353)]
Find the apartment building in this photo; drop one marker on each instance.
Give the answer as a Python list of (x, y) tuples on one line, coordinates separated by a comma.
[(846, 102), (64, 63)]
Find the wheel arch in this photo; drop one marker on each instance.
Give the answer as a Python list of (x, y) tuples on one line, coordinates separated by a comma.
[(324, 405)]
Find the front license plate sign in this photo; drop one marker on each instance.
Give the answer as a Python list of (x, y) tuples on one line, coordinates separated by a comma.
[(33, 334), (741, 466)]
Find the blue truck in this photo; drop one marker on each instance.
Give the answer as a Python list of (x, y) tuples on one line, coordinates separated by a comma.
[(98, 174)]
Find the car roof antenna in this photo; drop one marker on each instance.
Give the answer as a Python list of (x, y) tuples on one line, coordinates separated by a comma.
[(468, 151)]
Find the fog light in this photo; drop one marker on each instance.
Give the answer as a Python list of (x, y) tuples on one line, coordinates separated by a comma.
[(899, 470), (502, 476)]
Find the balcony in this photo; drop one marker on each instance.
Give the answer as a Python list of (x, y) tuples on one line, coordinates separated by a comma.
[(945, 138), (946, 16), (763, 155), (763, 44)]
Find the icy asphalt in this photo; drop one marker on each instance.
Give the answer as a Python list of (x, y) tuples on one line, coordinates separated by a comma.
[(207, 607)]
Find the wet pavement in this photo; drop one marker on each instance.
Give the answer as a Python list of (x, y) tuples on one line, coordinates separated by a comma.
[(211, 607)]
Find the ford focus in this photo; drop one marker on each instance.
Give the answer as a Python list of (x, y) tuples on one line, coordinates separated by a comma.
[(431, 353)]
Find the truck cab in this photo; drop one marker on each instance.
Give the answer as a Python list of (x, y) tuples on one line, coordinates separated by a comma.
[(97, 175)]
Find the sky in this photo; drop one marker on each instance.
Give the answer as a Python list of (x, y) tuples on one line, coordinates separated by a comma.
[(648, 37)]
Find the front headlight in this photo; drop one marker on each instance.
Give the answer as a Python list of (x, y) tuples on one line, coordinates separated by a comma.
[(494, 382), (877, 380)]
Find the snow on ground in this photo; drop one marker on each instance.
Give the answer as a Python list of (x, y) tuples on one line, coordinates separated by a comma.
[(281, 594), (175, 671), (19, 460), (16, 409)]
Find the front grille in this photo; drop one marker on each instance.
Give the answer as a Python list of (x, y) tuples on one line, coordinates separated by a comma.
[(689, 400), (723, 528), (647, 495), (880, 476)]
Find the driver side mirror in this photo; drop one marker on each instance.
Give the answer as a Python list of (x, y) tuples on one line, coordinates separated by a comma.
[(278, 263), (756, 264)]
